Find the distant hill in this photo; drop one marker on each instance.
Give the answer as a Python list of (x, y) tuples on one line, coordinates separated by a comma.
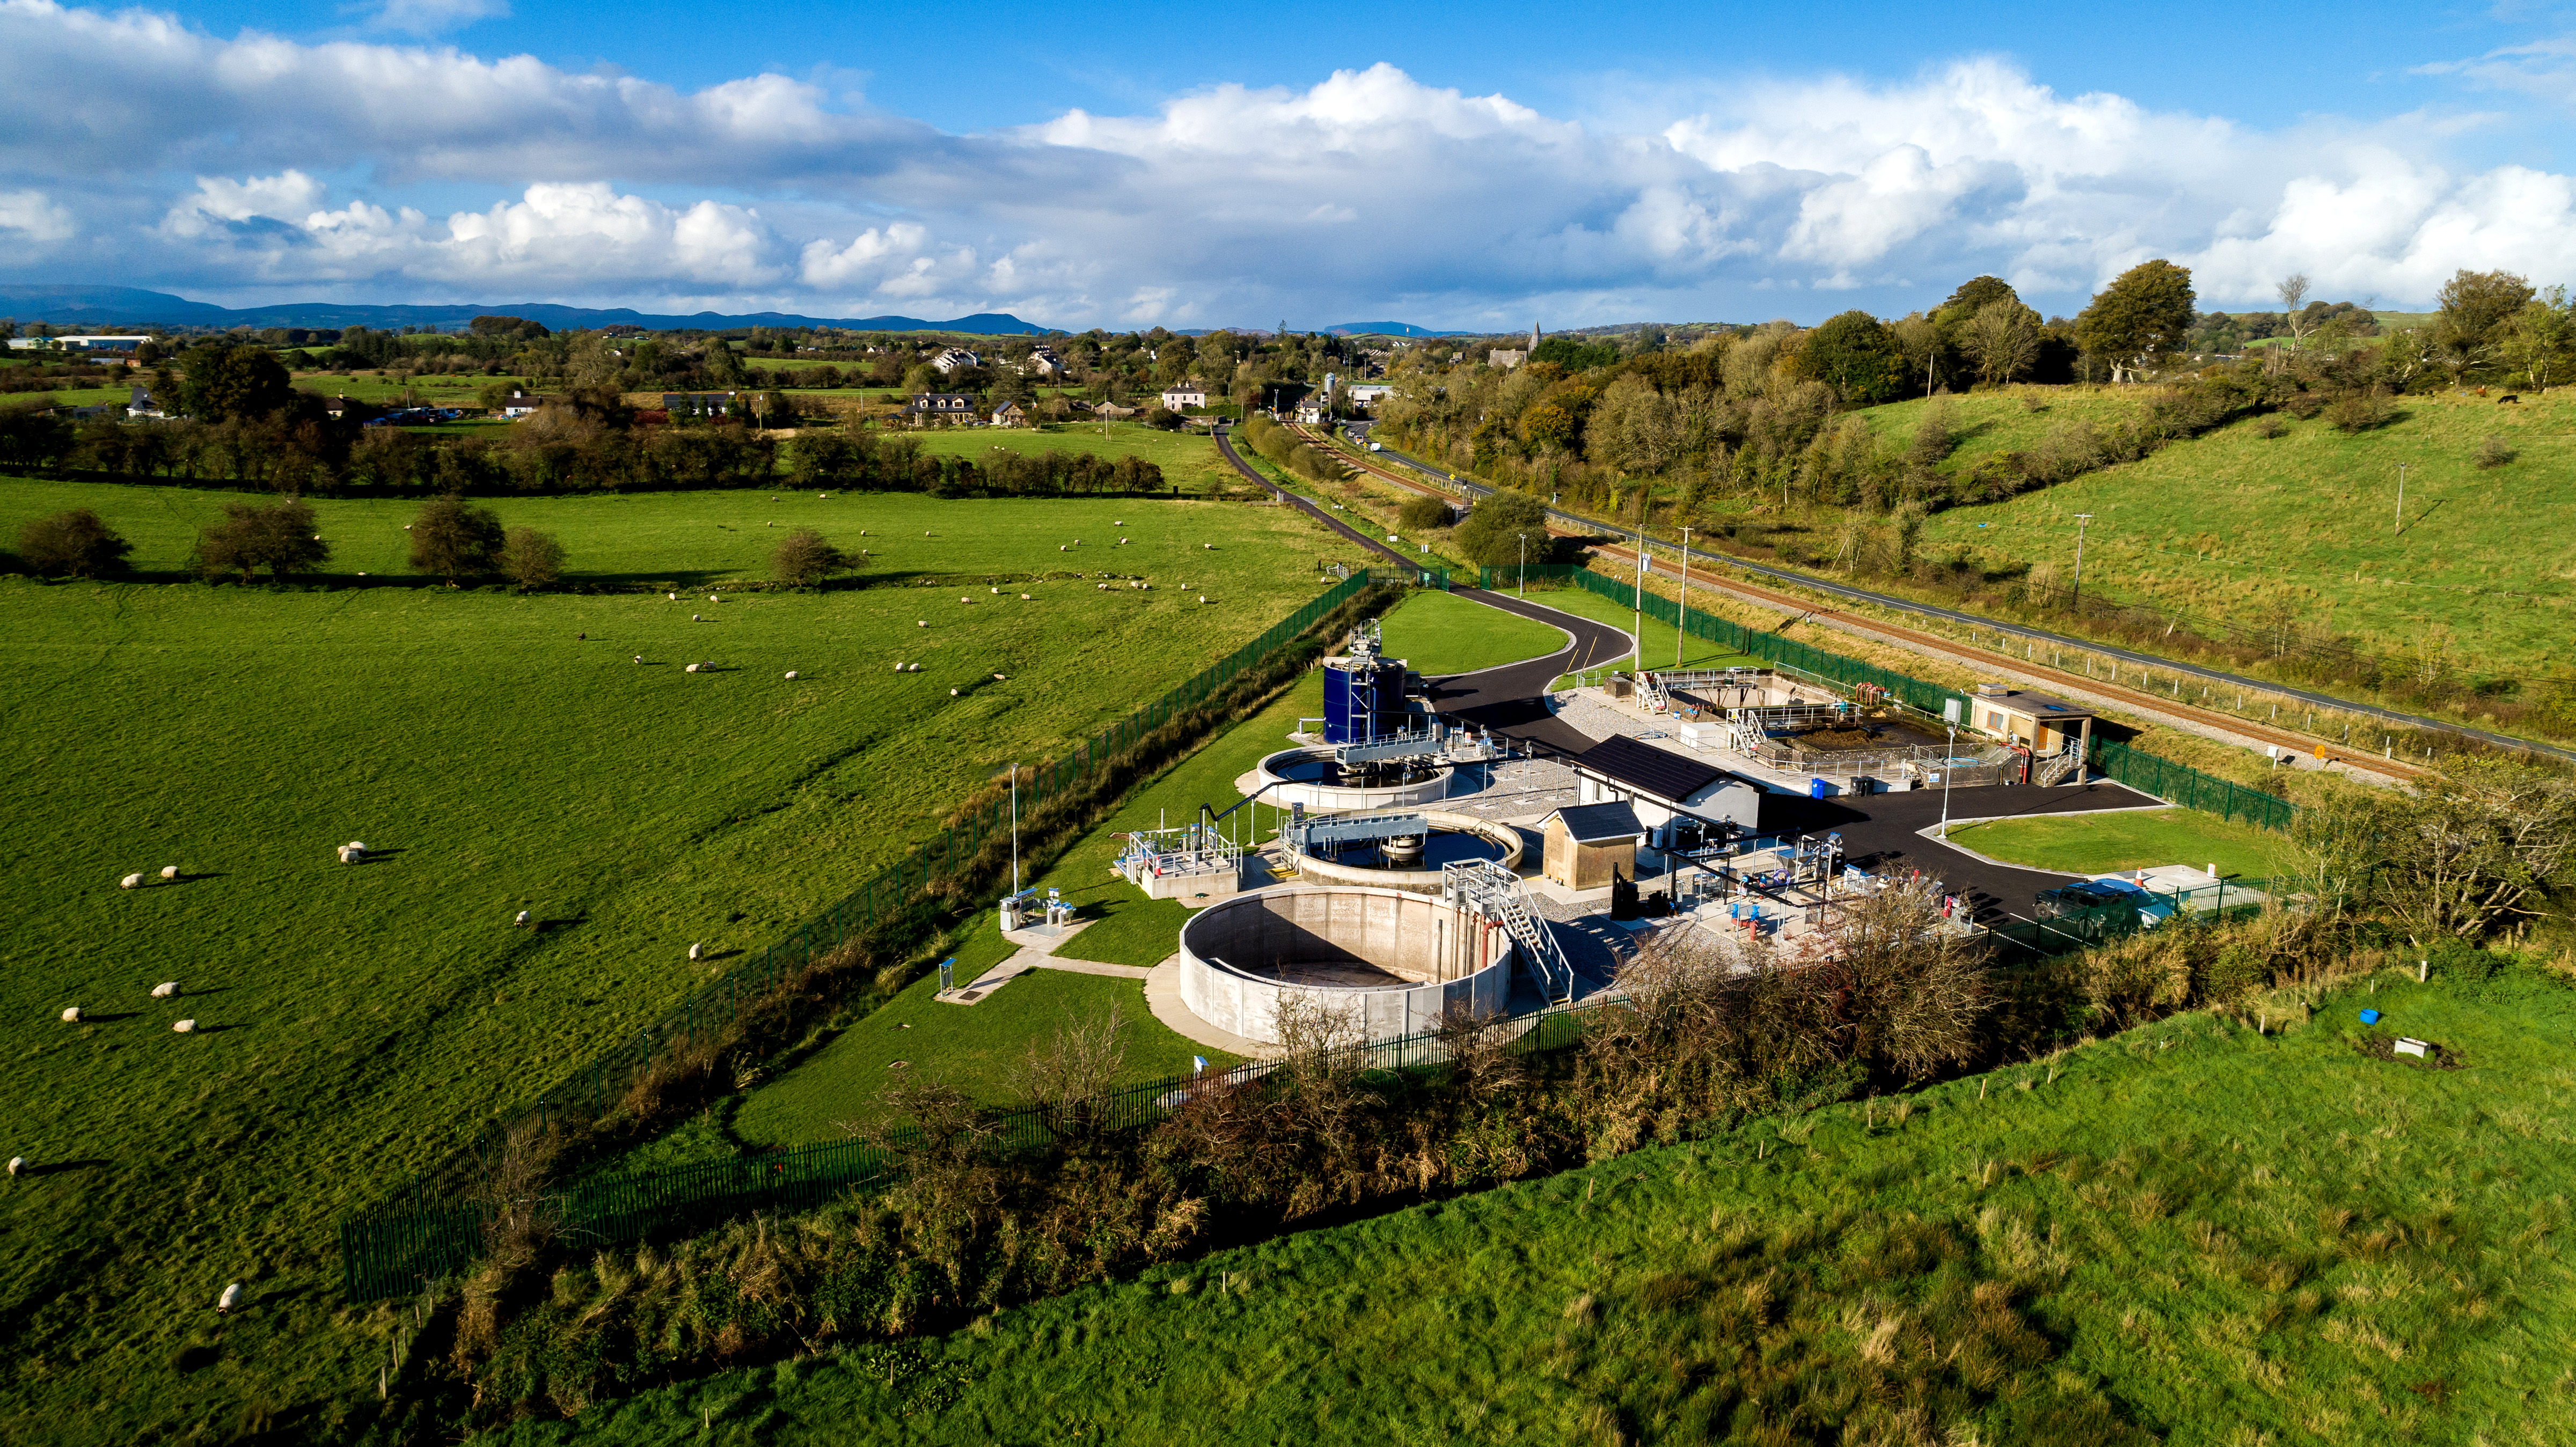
[(112, 306), (1388, 329)]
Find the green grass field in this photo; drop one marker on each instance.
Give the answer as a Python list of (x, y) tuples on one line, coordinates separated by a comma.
[(695, 539), (976, 1048), (1189, 461), (2189, 1233), (2305, 526), (1985, 423), (359, 1019), (1442, 633), (2139, 839)]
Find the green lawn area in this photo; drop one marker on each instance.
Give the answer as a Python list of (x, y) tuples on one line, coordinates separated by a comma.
[(499, 753), (1985, 423), (1696, 652), (976, 1048), (1442, 633), (429, 389), (2132, 839), (2188, 1233), (2243, 527)]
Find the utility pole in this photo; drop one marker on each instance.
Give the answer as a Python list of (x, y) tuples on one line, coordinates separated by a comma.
[(1684, 625), (1637, 665), (1015, 826), (1949, 766), (2400, 526), (2080, 520), (1524, 583)]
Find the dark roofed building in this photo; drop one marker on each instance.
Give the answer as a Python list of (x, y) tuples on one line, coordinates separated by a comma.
[(1662, 783)]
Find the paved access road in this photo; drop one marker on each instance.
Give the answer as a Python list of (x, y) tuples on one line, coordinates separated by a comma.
[(1579, 523)]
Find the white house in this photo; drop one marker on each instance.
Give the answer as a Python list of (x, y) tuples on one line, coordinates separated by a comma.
[(1367, 394), (1043, 362), (951, 359), (525, 404), (76, 344), (1183, 395)]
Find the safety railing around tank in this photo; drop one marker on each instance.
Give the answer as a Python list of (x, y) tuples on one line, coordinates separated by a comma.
[(404, 1246)]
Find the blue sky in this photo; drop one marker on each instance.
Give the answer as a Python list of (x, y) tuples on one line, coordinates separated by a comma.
[(1456, 166)]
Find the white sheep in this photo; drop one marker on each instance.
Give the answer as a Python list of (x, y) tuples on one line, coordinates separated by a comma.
[(965, 600), (999, 678), (952, 693), (898, 668), (352, 852), (521, 920), (674, 597), (791, 675), (1118, 523), (863, 532), (72, 1015), (997, 590), (1059, 547), (169, 871), (712, 598), (925, 532), (693, 668), (185, 1027), (916, 668), (165, 989), (1024, 597), (639, 657), (231, 1298), (925, 622), (697, 617), (131, 881), (697, 952), (1211, 547), (17, 1164), (1203, 597)]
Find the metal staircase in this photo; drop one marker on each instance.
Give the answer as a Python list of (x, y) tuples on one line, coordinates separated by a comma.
[(1494, 892)]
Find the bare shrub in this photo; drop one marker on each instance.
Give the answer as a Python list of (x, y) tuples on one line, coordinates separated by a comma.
[(1074, 1069), (2494, 452)]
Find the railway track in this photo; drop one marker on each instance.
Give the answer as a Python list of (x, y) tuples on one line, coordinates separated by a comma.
[(1932, 643)]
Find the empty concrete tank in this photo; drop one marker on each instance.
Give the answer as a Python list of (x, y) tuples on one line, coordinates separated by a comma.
[(1387, 962)]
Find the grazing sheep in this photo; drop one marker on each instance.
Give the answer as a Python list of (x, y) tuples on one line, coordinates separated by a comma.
[(925, 532), (169, 871), (693, 668), (916, 668), (925, 622), (965, 600), (1059, 547), (791, 675), (165, 989), (863, 532), (999, 678), (997, 590), (1118, 522), (17, 1164), (712, 598), (131, 881), (674, 597), (72, 1015), (352, 852), (697, 952), (952, 693), (639, 657), (697, 617), (1203, 597), (185, 1027), (1024, 597), (898, 668), (522, 920), (231, 1298), (1211, 547)]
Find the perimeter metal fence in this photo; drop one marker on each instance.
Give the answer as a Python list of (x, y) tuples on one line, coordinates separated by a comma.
[(403, 1247), (2136, 768)]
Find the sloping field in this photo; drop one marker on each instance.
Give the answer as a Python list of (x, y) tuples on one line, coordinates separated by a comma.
[(497, 753)]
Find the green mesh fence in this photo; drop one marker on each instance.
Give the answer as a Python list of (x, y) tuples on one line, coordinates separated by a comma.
[(2136, 768)]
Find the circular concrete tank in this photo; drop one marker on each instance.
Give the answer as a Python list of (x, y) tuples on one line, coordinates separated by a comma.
[(1311, 777), (1421, 873), (1393, 963)]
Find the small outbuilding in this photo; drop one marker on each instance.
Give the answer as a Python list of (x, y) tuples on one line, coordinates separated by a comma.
[(2040, 722), (1663, 784), (1589, 845)]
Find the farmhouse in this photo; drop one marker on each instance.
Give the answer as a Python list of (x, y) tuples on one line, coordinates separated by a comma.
[(1661, 784), (951, 359), (522, 403), (1010, 414), (939, 407), (1043, 362), (1183, 395), (1588, 845)]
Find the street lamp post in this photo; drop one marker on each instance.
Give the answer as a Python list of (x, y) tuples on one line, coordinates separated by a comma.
[(1524, 583), (1949, 766), (1637, 665), (2080, 520), (1684, 625)]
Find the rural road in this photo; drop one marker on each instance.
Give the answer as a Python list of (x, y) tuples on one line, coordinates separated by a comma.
[(1591, 527)]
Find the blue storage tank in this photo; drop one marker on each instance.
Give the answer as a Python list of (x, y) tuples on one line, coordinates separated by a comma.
[(1363, 699)]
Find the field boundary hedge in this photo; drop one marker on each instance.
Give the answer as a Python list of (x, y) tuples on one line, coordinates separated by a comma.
[(2140, 770)]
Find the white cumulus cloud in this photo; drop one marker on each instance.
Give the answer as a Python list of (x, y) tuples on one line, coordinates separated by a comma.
[(33, 219)]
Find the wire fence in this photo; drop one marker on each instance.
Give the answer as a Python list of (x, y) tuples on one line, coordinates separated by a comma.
[(899, 895), (2136, 768), (404, 1247)]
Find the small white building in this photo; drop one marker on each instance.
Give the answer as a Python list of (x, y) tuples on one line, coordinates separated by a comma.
[(1042, 362), (953, 359), (1181, 396)]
